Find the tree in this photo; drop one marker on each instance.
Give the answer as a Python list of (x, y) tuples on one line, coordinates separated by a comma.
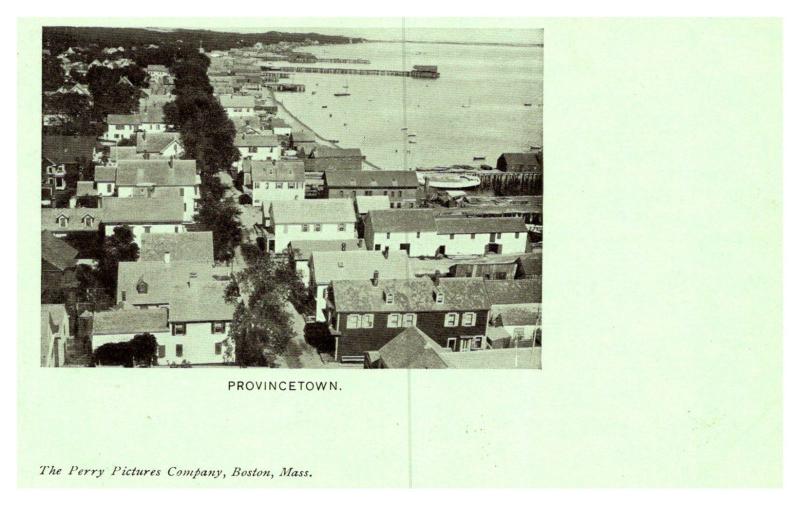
[(118, 247), (219, 214), (52, 73), (145, 348), (261, 326)]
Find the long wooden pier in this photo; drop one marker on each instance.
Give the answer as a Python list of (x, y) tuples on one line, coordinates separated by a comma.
[(419, 74)]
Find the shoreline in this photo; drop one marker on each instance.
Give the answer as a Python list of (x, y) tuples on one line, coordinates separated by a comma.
[(294, 121)]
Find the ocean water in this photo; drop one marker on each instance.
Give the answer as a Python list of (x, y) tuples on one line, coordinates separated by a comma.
[(475, 109)]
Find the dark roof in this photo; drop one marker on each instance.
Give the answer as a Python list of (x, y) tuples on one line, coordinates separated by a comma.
[(127, 321), (410, 295), (67, 149), (446, 226), (57, 252), (371, 178), (189, 246), (514, 291), (335, 152), (412, 348), (531, 263), (155, 142), (402, 220), (529, 159), (142, 210)]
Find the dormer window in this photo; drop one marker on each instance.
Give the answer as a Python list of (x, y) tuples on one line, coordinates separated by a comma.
[(141, 287), (438, 296), (62, 221), (389, 297), (88, 221)]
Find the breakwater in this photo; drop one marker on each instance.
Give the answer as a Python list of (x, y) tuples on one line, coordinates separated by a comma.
[(418, 74)]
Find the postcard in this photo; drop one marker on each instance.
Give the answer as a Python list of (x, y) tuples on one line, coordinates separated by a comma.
[(274, 253)]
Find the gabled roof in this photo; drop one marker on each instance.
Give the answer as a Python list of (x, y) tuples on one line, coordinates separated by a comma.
[(163, 279), (335, 152), (371, 179), (189, 246), (237, 101), (337, 210), (303, 249), (514, 291), (329, 266), (302, 136), (446, 226), (245, 140), (366, 204), (522, 357), (142, 210), (130, 321), (67, 149), (124, 119), (410, 295), (57, 252), (116, 153), (75, 219), (281, 170), (518, 316), (156, 142), (532, 158), (156, 173), (201, 302), (412, 348), (402, 220), (106, 174), (153, 115)]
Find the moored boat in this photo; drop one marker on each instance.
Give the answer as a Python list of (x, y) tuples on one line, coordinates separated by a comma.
[(448, 181)]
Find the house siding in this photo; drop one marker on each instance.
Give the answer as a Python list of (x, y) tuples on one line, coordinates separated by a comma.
[(355, 342)]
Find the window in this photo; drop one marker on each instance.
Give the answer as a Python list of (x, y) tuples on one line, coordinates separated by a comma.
[(342, 227), (177, 229), (292, 185), (516, 235), (341, 193), (162, 351), (394, 320), (451, 319), (388, 235), (278, 185), (389, 297), (477, 342), (122, 295), (399, 193), (181, 191), (367, 320), (418, 234), (108, 188), (468, 319), (499, 236), (368, 192), (391, 205), (252, 150), (218, 348), (472, 235), (452, 236), (147, 229), (62, 221), (179, 329), (141, 287), (88, 221), (353, 321), (218, 327), (317, 227), (439, 297), (391, 193), (451, 343), (305, 227), (409, 320), (179, 350)]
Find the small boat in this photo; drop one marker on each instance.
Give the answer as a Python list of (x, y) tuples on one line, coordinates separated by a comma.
[(341, 94), (324, 106), (333, 141), (527, 104), (478, 158), (403, 129), (412, 134), (448, 181), (313, 92), (412, 141)]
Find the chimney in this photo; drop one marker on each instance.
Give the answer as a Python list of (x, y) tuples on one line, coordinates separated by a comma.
[(436, 276), (171, 162), (144, 136), (166, 257), (386, 252), (344, 246), (375, 276)]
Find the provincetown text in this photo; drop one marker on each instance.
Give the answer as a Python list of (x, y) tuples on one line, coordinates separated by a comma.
[(283, 386)]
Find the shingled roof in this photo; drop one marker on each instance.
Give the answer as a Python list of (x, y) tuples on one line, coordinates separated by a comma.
[(447, 226), (412, 348), (67, 149), (337, 210), (57, 252), (371, 179), (335, 152), (189, 246), (302, 249), (126, 321), (514, 291), (237, 101), (271, 170), (255, 140), (156, 173), (155, 142), (331, 266), (142, 210), (402, 220), (410, 295)]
